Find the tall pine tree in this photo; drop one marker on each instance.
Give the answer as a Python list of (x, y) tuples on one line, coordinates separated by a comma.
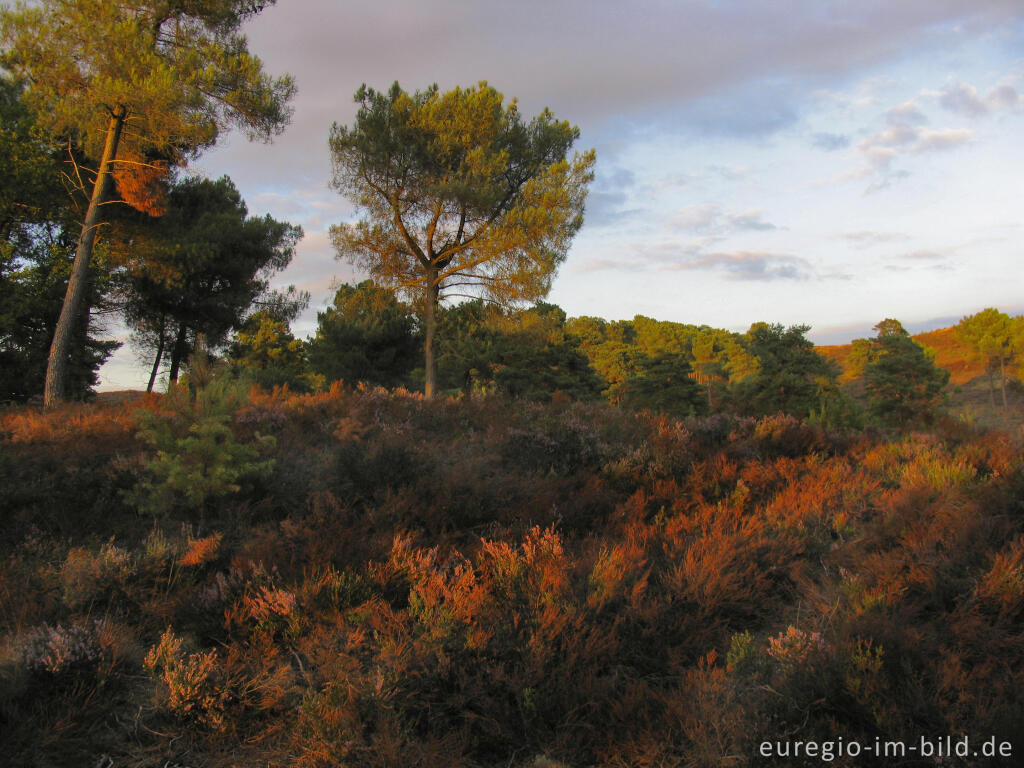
[(142, 82)]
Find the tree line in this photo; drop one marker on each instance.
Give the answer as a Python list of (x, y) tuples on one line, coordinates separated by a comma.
[(458, 194), (369, 336), (465, 210), (109, 100)]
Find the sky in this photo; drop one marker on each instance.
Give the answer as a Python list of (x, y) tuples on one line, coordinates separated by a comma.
[(822, 162)]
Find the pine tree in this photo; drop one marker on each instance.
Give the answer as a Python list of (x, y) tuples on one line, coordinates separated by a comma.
[(458, 196), (903, 383), (146, 82)]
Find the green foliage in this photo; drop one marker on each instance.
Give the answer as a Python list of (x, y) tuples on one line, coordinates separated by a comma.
[(32, 190), (457, 195), (995, 337), (744, 658), (904, 385), (138, 86), (36, 247), (199, 267), (525, 354), (265, 349), (32, 286), (199, 460), (641, 355), (838, 409), (662, 384), (791, 377), (182, 72), (467, 345), (367, 335)]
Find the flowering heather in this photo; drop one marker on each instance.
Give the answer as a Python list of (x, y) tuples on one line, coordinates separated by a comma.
[(492, 583)]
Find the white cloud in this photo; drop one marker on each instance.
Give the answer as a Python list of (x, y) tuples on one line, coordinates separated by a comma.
[(905, 133), (711, 218), (748, 265)]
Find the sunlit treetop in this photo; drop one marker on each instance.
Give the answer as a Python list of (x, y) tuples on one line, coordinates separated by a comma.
[(177, 71), (457, 192), (457, 196)]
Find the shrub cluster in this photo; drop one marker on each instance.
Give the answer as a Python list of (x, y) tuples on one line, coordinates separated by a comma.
[(488, 582)]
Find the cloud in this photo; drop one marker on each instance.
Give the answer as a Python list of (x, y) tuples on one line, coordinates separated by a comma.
[(905, 114), (830, 142), (584, 266), (748, 265), (905, 133), (591, 61), (745, 110), (749, 221), (885, 181), (928, 140), (1005, 97), (607, 199), (868, 239), (670, 183), (698, 218), (730, 172), (699, 255), (963, 99), (927, 259), (882, 148), (710, 218)]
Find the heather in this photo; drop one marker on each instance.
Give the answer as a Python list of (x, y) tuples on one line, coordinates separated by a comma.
[(363, 577)]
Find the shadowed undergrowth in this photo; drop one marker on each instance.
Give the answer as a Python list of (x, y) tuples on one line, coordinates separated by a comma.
[(365, 578)]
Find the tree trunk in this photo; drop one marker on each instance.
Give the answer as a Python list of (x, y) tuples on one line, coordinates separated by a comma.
[(991, 388), (55, 389), (430, 312), (178, 352), (159, 355)]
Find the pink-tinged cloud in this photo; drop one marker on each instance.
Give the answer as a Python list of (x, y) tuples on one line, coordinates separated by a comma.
[(929, 140), (905, 134)]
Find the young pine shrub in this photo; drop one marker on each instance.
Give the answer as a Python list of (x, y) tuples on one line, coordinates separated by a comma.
[(198, 458)]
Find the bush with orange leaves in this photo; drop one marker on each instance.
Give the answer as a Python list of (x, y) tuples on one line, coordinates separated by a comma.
[(492, 583)]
